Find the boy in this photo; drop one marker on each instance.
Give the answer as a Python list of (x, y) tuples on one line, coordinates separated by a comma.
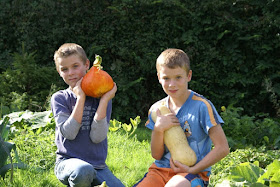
[(197, 117), (81, 124)]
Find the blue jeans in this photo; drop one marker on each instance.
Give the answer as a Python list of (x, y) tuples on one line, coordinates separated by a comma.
[(78, 173)]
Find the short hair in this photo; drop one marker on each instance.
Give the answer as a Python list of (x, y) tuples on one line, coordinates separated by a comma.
[(69, 49), (173, 58)]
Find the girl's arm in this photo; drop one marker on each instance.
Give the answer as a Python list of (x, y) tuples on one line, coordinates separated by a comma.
[(220, 150)]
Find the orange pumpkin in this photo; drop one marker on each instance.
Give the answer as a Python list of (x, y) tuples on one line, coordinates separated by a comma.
[(97, 82)]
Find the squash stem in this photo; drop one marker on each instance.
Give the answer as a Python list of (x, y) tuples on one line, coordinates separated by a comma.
[(97, 62)]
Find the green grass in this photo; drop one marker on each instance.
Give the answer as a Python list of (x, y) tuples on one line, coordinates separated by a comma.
[(128, 158)]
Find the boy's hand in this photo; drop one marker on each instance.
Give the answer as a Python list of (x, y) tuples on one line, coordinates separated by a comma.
[(78, 90), (165, 122), (110, 94), (178, 167)]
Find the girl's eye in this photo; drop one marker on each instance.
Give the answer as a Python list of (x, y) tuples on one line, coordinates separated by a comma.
[(165, 78), (64, 69), (179, 77)]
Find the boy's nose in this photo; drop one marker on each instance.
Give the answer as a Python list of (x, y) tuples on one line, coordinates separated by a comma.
[(70, 71), (171, 83)]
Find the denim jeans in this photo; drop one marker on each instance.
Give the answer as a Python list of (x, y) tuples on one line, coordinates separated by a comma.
[(75, 172)]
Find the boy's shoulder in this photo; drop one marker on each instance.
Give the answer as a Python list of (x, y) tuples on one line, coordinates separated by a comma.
[(63, 94)]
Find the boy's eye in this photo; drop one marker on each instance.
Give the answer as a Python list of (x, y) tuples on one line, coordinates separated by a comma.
[(179, 77), (64, 69), (165, 78)]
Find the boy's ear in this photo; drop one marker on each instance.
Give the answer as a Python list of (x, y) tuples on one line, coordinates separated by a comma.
[(158, 78), (189, 75), (87, 64)]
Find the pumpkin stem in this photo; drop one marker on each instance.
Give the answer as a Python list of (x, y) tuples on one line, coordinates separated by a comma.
[(97, 62)]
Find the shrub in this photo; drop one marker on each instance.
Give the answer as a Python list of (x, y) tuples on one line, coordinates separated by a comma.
[(233, 46)]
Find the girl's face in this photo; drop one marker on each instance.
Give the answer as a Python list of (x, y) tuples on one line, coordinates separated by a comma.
[(72, 69), (174, 82)]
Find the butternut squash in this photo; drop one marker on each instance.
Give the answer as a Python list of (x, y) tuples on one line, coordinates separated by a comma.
[(176, 141)]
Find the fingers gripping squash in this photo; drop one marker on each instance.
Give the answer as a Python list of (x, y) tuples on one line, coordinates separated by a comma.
[(176, 141)]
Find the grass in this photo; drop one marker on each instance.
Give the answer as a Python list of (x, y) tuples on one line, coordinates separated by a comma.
[(128, 158)]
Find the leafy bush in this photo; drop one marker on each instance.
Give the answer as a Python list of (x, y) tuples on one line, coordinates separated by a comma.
[(251, 175), (233, 46), (26, 84), (245, 131), (223, 169)]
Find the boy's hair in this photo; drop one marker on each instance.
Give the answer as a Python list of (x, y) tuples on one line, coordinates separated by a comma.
[(69, 49), (173, 58)]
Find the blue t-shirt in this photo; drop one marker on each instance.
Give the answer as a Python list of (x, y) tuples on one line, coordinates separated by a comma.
[(197, 115), (82, 147)]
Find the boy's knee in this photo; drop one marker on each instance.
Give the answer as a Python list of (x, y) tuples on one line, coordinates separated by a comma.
[(82, 176)]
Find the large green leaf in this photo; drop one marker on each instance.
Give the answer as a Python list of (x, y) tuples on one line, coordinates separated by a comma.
[(5, 149), (272, 173), (246, 172), (34, 119)]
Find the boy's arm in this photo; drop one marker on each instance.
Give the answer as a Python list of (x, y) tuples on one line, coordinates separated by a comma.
[(220, 150), (70, 128), (163, 123), (99, 126)]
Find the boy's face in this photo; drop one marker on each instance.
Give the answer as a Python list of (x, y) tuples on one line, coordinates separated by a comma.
[(72, 69), (174, 81)]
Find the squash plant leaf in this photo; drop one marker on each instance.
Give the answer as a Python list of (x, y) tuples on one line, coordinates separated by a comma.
[(114, 125), (246, 172)]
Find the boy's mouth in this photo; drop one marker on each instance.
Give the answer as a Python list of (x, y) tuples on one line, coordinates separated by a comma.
[(173, 91)]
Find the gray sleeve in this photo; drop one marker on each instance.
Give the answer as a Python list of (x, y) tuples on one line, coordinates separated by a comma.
[(69, 127), (99, 130)]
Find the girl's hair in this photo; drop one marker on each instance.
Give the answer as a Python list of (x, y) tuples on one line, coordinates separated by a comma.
[(69, 49), (173, 58)]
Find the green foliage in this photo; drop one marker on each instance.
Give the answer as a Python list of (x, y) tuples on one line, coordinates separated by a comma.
[(128, 128), (251, 175), (25, 83), (244, 131), (6, 150), (262, 158), (233, 46)]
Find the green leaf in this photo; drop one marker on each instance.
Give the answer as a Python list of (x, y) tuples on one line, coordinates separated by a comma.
[(272, 173), (246, 172), (114, 125), (126, 127)]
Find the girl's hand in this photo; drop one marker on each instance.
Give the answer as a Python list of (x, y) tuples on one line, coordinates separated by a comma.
[(165, 122), (178, 167), (78, 90)]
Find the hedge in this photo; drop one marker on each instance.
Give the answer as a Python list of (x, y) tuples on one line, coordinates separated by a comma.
[(233, 46)]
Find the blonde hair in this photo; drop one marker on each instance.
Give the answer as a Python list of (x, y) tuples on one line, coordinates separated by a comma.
[(69, 49), (173, 58)]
